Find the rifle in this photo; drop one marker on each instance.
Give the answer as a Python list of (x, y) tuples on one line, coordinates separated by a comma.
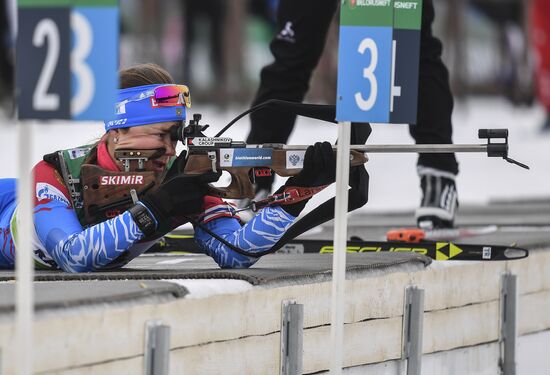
[(245, 162)]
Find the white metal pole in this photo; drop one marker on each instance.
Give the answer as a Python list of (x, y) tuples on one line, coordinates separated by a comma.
[(339, 255), (24, 262)]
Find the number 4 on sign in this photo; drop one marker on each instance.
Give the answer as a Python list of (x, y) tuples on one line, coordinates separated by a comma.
[(395, 90)]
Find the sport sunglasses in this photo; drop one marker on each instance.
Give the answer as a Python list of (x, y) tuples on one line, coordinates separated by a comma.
[(165, 96), (171, 95)]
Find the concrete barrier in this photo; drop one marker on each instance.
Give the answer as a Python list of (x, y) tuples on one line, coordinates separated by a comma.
[(237, 330)]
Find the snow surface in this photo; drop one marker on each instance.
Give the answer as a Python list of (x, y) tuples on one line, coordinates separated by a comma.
[(204, 288), (394, 184)]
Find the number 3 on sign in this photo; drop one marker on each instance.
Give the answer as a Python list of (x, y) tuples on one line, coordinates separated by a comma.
[(368, 73), (85, 76)]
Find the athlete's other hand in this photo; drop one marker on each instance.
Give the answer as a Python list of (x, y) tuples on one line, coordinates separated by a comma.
[(319, 167)]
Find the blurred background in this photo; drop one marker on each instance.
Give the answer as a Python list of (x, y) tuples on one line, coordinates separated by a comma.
[(218, 47)]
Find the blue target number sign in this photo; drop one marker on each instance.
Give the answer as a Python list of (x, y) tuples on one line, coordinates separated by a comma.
[(67, 59), (378, 61), (367, 76)]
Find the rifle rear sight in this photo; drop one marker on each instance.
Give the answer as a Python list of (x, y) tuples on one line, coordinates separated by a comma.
[(193, 129)]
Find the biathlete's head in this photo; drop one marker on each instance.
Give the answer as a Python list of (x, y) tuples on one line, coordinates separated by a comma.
[(149, 103)]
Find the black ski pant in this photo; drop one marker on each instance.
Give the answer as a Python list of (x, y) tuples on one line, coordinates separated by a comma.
[(297, 49), (6, 65)]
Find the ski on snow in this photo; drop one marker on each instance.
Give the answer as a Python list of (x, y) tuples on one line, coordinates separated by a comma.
[(437, 250)]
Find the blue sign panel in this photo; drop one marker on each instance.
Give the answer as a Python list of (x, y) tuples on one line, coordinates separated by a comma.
[(95, 70), (364, 74)]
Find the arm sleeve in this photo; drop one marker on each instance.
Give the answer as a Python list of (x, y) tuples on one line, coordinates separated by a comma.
[(259, 234), (73, 248)]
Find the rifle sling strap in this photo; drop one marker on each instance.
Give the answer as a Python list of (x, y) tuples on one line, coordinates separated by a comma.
[(290, 195)]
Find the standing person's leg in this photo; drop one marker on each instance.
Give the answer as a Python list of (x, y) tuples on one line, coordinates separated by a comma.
[(435, 106), (296, 48), (6, 64)]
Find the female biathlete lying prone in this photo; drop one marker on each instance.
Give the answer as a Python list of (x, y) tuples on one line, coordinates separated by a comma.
[(82, 222)]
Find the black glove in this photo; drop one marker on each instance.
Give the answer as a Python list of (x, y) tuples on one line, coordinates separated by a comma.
[(180, 195), (319, 169)]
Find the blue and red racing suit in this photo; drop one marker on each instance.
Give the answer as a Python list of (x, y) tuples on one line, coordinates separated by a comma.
[(61, 242)]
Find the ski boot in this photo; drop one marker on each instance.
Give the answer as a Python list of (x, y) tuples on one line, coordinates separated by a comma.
[(439, 199)]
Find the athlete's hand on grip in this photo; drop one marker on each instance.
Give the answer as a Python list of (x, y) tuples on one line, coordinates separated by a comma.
[(319, 167), (180, 195), (319, 170)]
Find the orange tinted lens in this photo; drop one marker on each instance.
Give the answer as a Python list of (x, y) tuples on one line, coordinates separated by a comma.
[(172, 95)]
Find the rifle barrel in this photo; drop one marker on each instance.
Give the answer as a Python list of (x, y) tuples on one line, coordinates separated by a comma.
[(431, 149)]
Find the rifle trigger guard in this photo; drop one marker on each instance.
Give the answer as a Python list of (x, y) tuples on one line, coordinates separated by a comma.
[(212, 157)]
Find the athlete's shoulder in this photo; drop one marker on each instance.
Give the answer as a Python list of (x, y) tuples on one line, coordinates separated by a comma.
[(49, 185)]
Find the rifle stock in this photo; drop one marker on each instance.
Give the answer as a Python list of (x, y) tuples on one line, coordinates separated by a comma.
[(241, 186)]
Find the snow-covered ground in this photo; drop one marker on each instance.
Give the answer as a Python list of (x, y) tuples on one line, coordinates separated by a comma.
[(394, 184)]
